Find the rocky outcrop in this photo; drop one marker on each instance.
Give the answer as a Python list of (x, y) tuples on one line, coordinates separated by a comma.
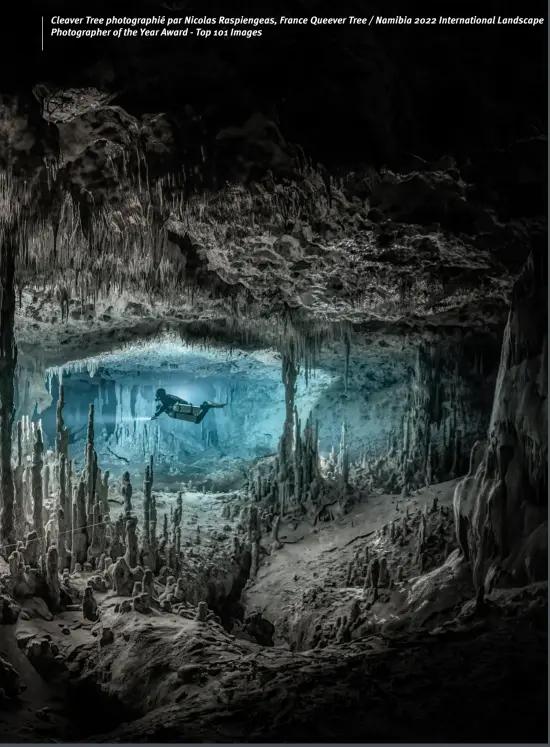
[(273, 695), (501, 507)]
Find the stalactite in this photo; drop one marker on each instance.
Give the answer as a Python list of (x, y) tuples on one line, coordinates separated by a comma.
[(347, 343)]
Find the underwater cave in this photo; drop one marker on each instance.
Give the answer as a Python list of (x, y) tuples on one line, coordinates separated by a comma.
[(273, 385), (215, 452)]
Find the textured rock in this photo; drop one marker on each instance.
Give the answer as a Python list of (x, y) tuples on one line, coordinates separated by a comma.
[(501, 507)]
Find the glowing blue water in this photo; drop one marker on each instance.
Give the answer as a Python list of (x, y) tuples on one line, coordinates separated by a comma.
[(122, 387)]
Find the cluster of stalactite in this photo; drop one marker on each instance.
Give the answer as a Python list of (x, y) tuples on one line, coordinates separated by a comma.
[(296, 338), (98, 248)]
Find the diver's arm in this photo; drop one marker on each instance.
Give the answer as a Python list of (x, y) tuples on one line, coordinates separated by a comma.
[(160, 410)]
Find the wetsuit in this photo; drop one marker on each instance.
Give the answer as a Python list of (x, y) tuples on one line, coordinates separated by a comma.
[(168, 401)]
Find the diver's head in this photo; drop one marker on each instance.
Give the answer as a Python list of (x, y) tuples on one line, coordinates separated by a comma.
[(161, 394)]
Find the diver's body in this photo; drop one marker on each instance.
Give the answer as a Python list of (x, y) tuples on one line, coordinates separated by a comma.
[(167, 402)]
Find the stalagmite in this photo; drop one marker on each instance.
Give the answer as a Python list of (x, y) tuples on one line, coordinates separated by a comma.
[(275, 542), (8, 361), (429, 469), (97, 543), (89, 605), (62, 438), (45, 485), (69, 502), (31, 550), (131, 555), (63, 483), (91, 464), (421, 538), (347, 343), (74, 515), (52, 578), (177, 562), (153, 540), (147, 487), (19, 507), (202, 612), (148, 585), (61, 539), (254, 540), (298, 461), (80, 532), (126, 491), (36, 487), (123, 582), (383, 573), (286, 444), (343, 459), (104, 494)]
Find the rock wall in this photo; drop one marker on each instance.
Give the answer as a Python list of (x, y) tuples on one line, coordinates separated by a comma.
[(448, 409), (501, 507), (414, 424)]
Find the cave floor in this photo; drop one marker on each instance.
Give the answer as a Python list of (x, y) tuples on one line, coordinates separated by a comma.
[(311, 557), (387, 685)]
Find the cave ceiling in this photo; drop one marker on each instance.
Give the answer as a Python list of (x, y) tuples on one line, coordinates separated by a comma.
[(242, 191)]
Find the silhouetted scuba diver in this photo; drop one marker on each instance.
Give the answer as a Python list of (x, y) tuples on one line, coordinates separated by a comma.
[(180, 409)]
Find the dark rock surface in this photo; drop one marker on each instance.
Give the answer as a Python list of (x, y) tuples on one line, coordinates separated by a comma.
[(380, 689)]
